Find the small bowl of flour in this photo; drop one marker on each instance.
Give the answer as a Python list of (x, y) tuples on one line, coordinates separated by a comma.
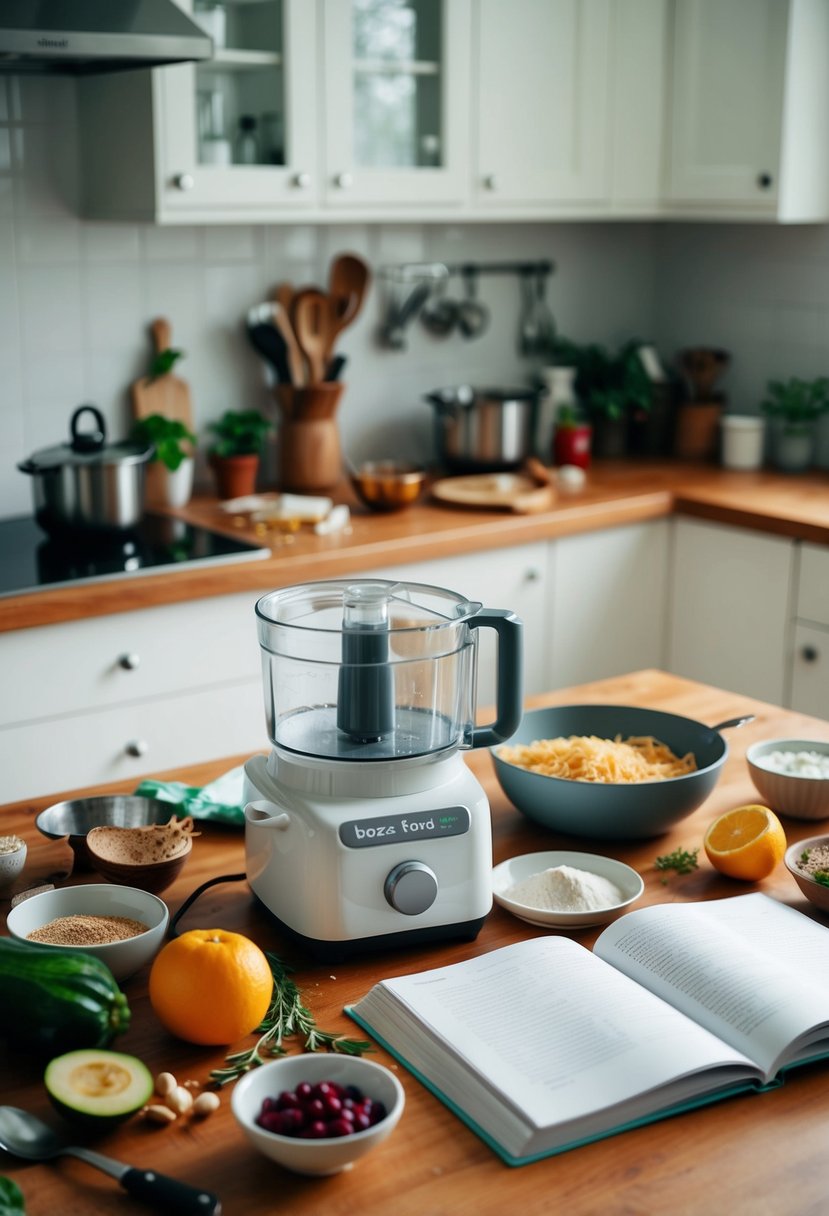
[(564, 889)]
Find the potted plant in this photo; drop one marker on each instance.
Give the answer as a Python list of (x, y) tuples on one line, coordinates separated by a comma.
[(611, 387), (170, 472), (234, 455), (794, 407)]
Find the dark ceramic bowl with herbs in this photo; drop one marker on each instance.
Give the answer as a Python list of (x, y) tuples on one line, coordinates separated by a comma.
[(805, 861)]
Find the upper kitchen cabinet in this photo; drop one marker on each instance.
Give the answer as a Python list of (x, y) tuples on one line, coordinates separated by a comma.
[(541, 90), (234, 138), (749, 98), (396, 97)]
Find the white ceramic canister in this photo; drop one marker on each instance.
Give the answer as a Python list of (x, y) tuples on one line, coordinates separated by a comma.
[(743, 439)]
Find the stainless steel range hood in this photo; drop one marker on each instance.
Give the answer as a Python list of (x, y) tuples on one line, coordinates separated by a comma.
[(84, 37)]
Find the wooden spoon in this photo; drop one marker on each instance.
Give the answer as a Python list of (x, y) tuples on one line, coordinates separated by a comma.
[(296, 365), (312, 315), (348, 280)]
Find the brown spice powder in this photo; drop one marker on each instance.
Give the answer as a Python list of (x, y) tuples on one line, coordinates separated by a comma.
[(87, 930)]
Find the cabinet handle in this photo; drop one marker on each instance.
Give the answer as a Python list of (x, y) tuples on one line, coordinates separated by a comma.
[(184, 181), (137, 747), (764, 180), (810, 654), (130, 661), (344, 180), (491, 181), (302, 180)]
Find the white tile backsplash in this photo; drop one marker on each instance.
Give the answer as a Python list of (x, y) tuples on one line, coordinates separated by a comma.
[(77, 299)]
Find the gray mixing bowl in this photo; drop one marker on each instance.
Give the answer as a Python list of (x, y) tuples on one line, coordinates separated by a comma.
[(80, 815), (619, 811)]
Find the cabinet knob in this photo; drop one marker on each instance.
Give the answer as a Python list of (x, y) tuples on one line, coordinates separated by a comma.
[(130, 661), (344, 180), (764, 180), (532, 575), (137, 747), (491, 181), (302, 180), (184, 181), (810, 654)]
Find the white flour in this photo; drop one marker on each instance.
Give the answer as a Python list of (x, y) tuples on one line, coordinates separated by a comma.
[(565, 889)]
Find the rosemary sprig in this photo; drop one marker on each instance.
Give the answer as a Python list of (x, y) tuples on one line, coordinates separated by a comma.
[(681, 860), (287, 1016)]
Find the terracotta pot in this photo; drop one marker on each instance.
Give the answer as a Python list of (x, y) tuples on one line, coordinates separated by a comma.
[(235, 475), (697, 430)]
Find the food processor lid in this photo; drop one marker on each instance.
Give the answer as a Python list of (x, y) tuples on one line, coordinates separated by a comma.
[(329, 607)]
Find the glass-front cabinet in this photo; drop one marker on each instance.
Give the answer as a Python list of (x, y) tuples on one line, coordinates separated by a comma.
[(396, 87), (241, 128)]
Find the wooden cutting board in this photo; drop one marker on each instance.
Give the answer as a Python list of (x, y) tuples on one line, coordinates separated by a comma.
[(495, 491), (168, 395)]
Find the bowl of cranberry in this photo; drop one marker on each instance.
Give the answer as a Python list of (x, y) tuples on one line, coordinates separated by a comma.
[(318, 1114)]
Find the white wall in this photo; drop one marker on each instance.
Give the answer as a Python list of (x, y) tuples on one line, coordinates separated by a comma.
[(76, 299)]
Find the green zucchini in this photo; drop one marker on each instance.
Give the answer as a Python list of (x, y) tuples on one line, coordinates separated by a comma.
[(54, 1000)]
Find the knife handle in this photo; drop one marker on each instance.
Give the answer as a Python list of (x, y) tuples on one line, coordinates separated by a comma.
[(168, 1194)]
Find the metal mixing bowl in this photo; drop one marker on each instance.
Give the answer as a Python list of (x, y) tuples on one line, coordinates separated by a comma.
[(78, 816)]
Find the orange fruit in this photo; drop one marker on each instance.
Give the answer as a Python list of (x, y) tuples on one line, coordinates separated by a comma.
[(746, 843), (210, 986)]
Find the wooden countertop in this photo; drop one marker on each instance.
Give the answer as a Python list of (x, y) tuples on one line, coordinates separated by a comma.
[(763, 1153), (615, 493)]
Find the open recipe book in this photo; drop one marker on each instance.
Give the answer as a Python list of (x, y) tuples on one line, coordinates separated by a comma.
[(542, 1045)]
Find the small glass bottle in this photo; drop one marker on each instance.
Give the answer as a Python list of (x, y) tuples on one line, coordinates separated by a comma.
[(247, 141)]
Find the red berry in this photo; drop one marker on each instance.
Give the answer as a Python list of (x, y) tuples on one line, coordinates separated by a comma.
[(303, 1090), (286, 1100), (339, 1127), (361, 1122)]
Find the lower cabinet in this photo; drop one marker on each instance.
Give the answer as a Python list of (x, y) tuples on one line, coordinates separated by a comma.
[(809, 650), (731, 608)]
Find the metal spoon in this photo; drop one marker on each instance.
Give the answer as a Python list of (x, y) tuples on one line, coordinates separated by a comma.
[(28, 1137), (733, 723)]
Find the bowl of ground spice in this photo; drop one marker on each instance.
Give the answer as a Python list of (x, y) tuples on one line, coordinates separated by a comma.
[(565, 890), (808, 863), (122, 926)]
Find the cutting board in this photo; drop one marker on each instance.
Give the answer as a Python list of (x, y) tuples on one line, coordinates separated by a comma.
[(495, 491), (168, 395)]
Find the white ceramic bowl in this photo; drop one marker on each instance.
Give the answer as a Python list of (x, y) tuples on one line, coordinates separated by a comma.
[(797, 797), (98, 899), (325, 1156), (516, 869), (11, 864), (816, 892)]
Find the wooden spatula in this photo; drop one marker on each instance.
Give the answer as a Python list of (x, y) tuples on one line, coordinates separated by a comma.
[(167, 394), (312, 316)]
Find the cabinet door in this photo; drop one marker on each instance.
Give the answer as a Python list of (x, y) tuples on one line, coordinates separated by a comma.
[(541, 101), (810, 671), (240, 130), (608, 594), (396, 83), (500, 578), (731, 607), (727, 83)]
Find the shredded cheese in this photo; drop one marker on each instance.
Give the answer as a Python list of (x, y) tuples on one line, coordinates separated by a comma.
[(611, 761)]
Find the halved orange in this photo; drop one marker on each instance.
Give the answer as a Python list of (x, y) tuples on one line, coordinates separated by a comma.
[(745, 843)]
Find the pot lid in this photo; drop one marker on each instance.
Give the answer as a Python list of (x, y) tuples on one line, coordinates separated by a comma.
[(86, 447)]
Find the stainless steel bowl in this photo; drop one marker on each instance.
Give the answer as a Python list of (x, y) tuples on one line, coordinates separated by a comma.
[(78, 816)]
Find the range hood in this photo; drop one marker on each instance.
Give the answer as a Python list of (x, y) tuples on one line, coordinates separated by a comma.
[(84, 37)]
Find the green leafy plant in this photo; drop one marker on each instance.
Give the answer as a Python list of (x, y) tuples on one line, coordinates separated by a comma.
[(172, 440), (683, 861), (11, 1198), (287, 1017), (239, 433), (611, 385), (163, 362), (798, 403)]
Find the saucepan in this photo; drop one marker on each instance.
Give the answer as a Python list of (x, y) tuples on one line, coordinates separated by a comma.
[(619, 810), (485, 429)]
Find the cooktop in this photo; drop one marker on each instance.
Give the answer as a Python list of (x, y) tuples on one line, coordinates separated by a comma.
[(32, 561)]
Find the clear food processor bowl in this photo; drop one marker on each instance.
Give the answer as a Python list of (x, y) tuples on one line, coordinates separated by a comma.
[(369, 669)]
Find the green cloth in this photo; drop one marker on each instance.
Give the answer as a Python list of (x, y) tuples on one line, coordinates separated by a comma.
[(220, 801)]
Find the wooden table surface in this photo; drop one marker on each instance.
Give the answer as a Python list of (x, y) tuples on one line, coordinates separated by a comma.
[(759, 1154)]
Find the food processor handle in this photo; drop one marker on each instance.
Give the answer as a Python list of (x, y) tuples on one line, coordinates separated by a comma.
[(510, 692)]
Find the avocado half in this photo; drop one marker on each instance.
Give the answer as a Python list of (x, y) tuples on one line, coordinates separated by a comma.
[(97, 1087)]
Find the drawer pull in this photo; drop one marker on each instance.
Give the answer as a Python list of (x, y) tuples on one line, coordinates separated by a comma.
[(129, 661), (810, 654), (137, 747)]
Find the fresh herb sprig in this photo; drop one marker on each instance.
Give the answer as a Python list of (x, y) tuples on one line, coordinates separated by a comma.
[(287, 1016), (683, 861)]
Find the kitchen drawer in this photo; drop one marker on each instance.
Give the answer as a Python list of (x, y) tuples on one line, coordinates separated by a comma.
[(93, 748), (81, 665), (810, 671), (813, 587)]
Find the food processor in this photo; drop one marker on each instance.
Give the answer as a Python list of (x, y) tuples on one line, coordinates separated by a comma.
[(364, 828)]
